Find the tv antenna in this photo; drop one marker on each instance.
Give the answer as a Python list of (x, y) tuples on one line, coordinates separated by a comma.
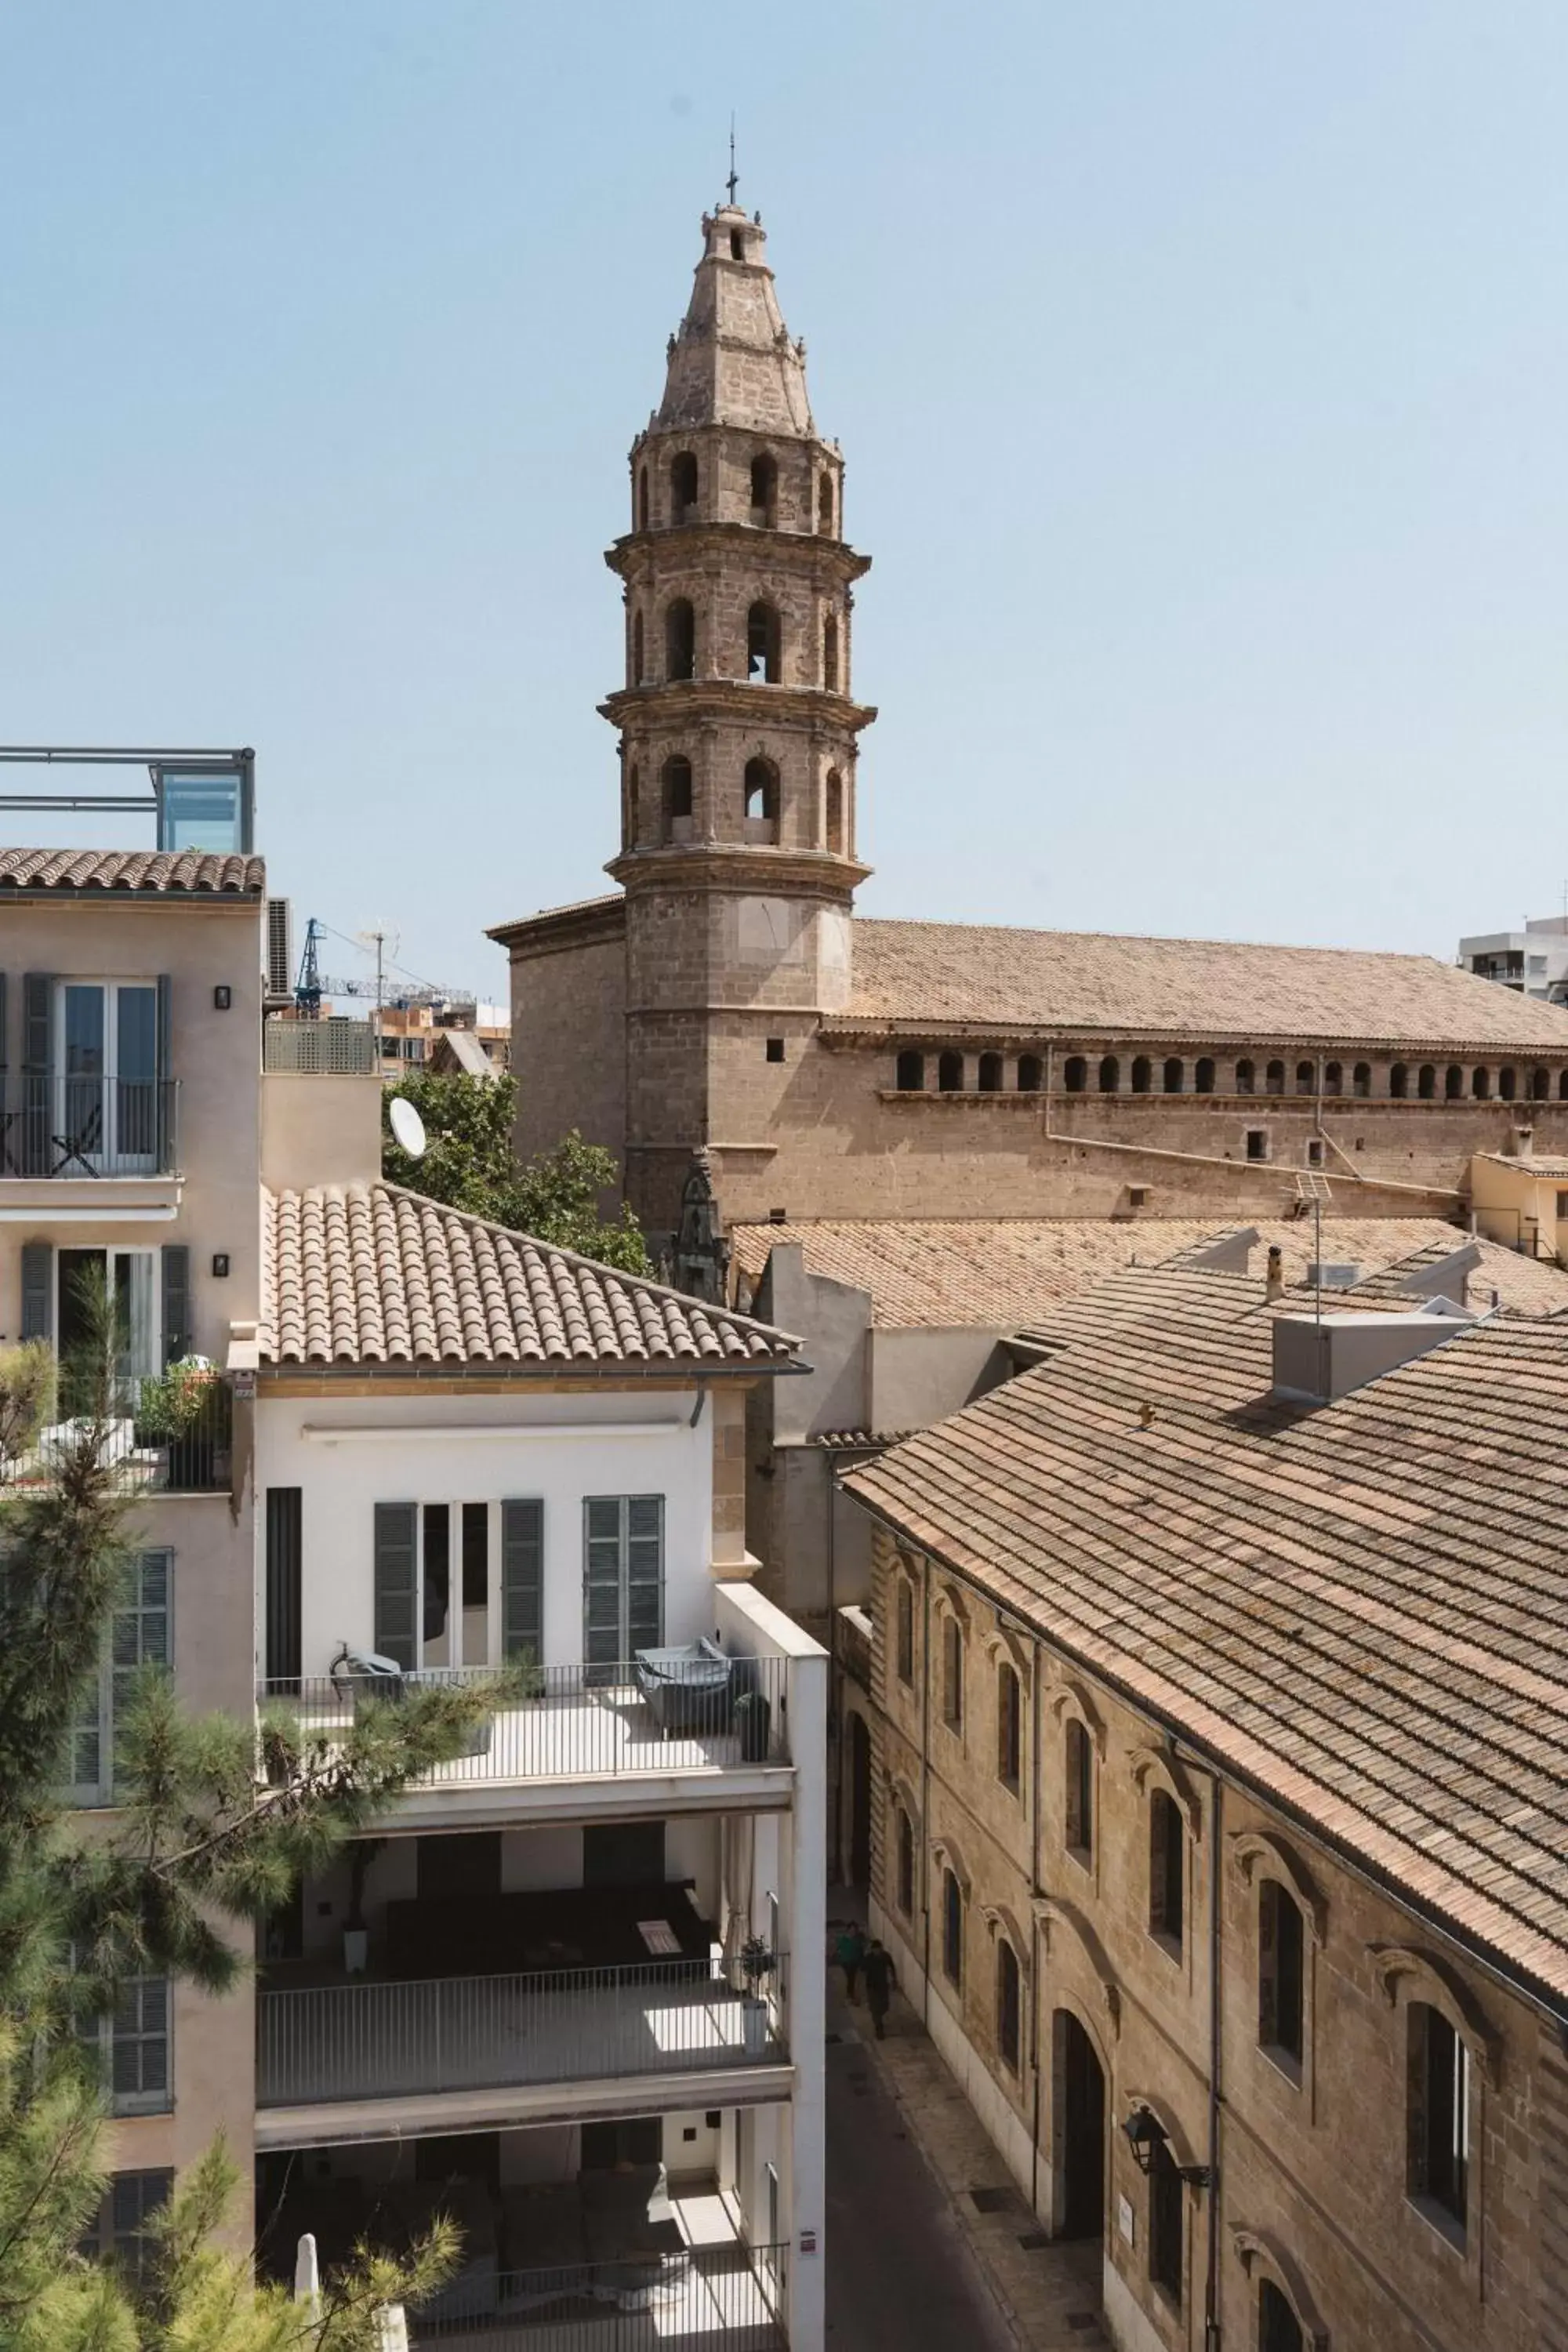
[(1316, 1188)]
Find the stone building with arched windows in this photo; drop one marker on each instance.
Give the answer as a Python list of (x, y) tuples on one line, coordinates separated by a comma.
[(726, 998)]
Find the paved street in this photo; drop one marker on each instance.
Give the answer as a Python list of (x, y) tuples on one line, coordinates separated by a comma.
[(900, 2276)]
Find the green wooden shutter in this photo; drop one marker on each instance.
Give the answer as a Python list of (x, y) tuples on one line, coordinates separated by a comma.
[(522, 1580), (163, 1092), (38, 987), (38, 994), (645, 1571), (601, 1548), (38, 1290), (396, 1582), (177, 1259)]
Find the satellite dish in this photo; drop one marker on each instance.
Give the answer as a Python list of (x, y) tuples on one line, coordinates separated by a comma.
[(407, 1126)]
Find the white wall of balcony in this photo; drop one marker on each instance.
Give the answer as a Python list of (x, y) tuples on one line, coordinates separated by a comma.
[(348, 1456)]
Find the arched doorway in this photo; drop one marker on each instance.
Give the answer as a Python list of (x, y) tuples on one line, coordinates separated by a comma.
[(859, 1800), (1079, 2111)]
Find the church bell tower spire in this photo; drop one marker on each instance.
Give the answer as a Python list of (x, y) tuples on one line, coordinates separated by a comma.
[(738, 727)]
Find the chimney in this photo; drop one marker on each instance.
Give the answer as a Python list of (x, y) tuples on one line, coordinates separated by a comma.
[(1524, 1142), (1274, 1281)]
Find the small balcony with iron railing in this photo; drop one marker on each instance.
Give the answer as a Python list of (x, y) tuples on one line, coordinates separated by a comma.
[(683, 1728), (168, 1434), (55, 1127), (487, 2049)]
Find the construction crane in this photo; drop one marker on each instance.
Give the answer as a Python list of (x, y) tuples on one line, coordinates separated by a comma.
[(313, 983)]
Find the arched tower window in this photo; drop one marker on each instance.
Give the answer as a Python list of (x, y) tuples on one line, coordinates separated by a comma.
[(1075, 1073), (1029, 1074), (1426, 1082), (911, 1075), (1563, 1086), (1243, 1077), (677, 795), (1539, 1085), (1110, 1074), (1275, 1080), (1173, 1076), (1481, 1083), (762, 788), (950, 1073), (764, 491), (1507, 1083), (642, 497), (1333, 1078), (682, 487), (1399, 1082), (1360, 1080), (737, 245), (1306, 1078), (990, 1074), (1453, 1083), (763, 643), (824, 506), (680, 639), (634, 805), (638, 671), (830, 653), (835, 813), (1202, 1076), (1141, 1074)]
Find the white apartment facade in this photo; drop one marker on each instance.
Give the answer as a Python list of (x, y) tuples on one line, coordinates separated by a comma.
[(1533, 962)]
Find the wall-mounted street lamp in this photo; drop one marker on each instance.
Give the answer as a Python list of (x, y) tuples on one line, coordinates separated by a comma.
[(1144, 2134)]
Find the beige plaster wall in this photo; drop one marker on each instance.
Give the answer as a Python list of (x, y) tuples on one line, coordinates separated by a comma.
[(320, 1127)]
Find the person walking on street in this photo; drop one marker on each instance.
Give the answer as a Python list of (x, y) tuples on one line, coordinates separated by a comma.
[(849, 1952), (881, 1979)]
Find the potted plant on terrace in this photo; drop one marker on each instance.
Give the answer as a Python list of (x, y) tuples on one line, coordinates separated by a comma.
[(756, 1962), (183, 1413)]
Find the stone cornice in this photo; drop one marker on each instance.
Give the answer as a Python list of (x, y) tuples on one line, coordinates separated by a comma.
[(693, 701), (739, 867), (589, 925), (834, 557)]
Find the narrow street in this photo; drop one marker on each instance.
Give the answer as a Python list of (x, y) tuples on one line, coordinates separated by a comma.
[(900, 2274)]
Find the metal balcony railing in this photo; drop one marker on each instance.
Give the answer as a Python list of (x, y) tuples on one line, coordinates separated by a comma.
[(579, 1720), (53, 1126), (725, 2298), (165, 1436), (362, 2039)]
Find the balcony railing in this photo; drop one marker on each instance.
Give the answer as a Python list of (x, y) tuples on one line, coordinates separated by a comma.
[(336, 1047), (157, 1437), (371, 2041), (579, 1720), (724, 2298), (81, 1126)]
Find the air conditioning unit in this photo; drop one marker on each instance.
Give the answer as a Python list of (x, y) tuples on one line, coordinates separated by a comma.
[(279, 949)]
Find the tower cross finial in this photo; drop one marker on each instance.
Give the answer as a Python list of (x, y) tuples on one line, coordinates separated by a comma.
[(732, 183)]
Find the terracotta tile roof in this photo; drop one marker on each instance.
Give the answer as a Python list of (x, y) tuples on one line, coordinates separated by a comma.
[(1002, 1272), (1360, 1609), (1541, 1163), (1521, 1285), (371, 1273), (185, 873), (942, 976)]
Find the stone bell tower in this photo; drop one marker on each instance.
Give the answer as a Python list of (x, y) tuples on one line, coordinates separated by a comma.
[(738, 734)]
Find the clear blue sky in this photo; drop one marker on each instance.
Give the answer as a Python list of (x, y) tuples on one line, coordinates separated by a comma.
[(1200, 371)]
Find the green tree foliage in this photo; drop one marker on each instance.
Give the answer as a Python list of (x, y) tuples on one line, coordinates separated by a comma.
[(204, 1844), (470, 1164)]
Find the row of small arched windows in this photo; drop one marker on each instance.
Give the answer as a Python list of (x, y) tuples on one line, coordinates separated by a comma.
[(760, 800), (1423, 1081), (764, 645), (685, 488)]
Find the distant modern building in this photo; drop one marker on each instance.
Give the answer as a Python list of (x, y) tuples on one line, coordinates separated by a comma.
[(1533, 962)]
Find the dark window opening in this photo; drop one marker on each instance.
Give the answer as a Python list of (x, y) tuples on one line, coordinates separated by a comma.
[(764, 644), (642, 498), (1167, 1869), (835, 813), (761, 790), (990, 1074), (1360, 1080), (906, 1846), (905, 1632), (830, 653), (1426, 1082), (775, 1049), (1030, 1073), (1563, 1086), (1281, 1972), (1257, 1143), (952, 1929), (1009, 2006), (639, 667), (1453, 1083), (1075, 1073), (824, 506), (911, 1071), (1278, 2329), (1539, 1083), (634, 806), (682, 486), (1110, 1074), (950, 1073), (1165, 2232), (764, 489), (1078, 1820), (737, 246), (1315, 1152), (680, 639), (1175, 1074), (1243, 1079), (1141, 1075), (1274, 1081), (1306, 1078), (1439, 2114), (1333, 1078), (476, 1543), (1009, 1727), (1202, 1076), (1399, 1082), (677, 794), (1507, 1084), (952, 1674)]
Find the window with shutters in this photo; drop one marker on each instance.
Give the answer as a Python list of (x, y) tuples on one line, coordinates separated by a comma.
[(953, 1675), (130, 2046), (904, 1630), (139, 1637), (1167, 1872), (1009, 1727), (1281, 1976), (623, 1576), (1078, 1793), (952, 1929), (117, 2231), (523, 1580), (904, 1848), (1009, 2006), (130, 1282), (1165, 2231), (93, 1097), (433, 1579)]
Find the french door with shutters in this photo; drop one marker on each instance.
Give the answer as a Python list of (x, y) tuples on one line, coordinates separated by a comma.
[(106, 1060), (432, 1579), (623, 1576)]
